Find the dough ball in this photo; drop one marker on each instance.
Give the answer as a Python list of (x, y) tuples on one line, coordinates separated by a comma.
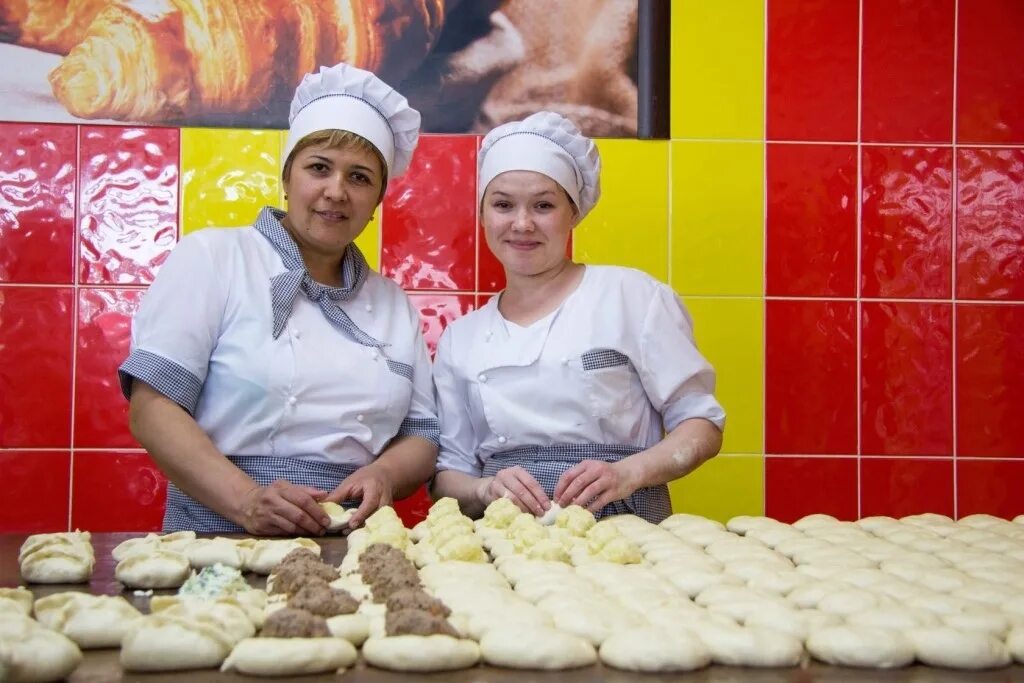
[(518, 647), (954, 649), (860, 646), (421, 653), (157, 568), (290, 656), (654, 650)]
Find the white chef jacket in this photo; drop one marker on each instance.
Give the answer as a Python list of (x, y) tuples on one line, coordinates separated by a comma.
[(204, 333), (615, 364)]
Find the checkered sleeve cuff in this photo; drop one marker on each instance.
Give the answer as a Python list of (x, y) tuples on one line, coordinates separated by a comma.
[(425, 428), (167, 377)]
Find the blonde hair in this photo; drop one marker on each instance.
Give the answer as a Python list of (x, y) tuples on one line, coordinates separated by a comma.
[(338, 139)]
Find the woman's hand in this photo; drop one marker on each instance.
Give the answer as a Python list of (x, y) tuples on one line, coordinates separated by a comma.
[(370, 484), (593, 484), (284, 509), (517, 485)]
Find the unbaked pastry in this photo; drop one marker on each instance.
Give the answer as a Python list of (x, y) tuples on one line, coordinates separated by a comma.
[(30, 652), (528, 647), (156, 568), (16, 600), (954, 649), (290, 656), (860, 646), (339, 516), (92, 621), (421, 653), (173, 643), (268, 553)]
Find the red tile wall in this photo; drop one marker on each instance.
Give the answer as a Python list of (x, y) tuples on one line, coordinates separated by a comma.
[(894, 360), (894, 274)]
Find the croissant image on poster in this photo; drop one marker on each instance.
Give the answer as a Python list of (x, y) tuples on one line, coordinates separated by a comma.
[(467, 65)]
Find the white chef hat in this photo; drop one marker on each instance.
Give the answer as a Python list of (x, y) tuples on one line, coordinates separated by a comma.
[(546, 143), (343, 97)]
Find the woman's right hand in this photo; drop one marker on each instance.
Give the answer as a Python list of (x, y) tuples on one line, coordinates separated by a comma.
[(284, 509), (517, 485)]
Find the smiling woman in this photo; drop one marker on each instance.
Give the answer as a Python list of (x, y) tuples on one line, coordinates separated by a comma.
[(562, 387), (271, 370)]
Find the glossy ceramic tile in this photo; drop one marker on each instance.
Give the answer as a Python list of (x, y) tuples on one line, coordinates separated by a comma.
[(413, 509), (104, 338), (811, 377), (990, 380), (796, 487), (438, 310), (429, 224), (718, 218), (722, 488), (898, 487), (128, 215), (37, 203), (114, 491), (990, 224), (906, 379), (812, 70), (369, 241), (907, 72), (491, 272), (718, 69), (990, 487), (990, 84), (629, 225), (730, 334), (35, 366), (907, 222), (227, 176), (812, 220), (34, 488)]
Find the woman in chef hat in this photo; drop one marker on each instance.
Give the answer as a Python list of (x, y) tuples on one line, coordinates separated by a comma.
[(271, 369), (577, 384)]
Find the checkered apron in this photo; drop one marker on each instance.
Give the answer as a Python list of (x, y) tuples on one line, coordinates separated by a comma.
[(548, 463), (184, 513)]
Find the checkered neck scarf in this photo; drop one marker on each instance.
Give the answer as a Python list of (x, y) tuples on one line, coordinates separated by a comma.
[(287, 285)]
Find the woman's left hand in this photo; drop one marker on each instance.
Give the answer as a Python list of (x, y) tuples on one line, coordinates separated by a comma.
[(371, 485), (593, 484)]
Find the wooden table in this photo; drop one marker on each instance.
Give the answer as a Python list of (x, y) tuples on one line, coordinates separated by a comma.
[(102, 665)]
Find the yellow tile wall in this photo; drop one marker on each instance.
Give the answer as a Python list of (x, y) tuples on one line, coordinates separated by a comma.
[(629, 225), (225, 173), (725, 486)]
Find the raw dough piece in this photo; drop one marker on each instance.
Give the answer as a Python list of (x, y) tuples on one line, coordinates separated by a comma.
[(30, 652), (290, 656), (421, 653), (206, 552), (340, 517), (953, 649), (268, 553), (16, 600), (354, 628), (860, 646), (165, 643), (738, 646), (1015, 644), (157, 568), (519, 647), (92, 621), (57, 562), (654, 650), (550, 515)]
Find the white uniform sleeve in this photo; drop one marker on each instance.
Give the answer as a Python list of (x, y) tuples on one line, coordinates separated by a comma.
[(421, 419), (458, 441), (176, 328), (679, 382)]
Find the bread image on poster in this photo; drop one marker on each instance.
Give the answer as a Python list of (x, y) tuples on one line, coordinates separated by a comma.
[(466, 65)]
